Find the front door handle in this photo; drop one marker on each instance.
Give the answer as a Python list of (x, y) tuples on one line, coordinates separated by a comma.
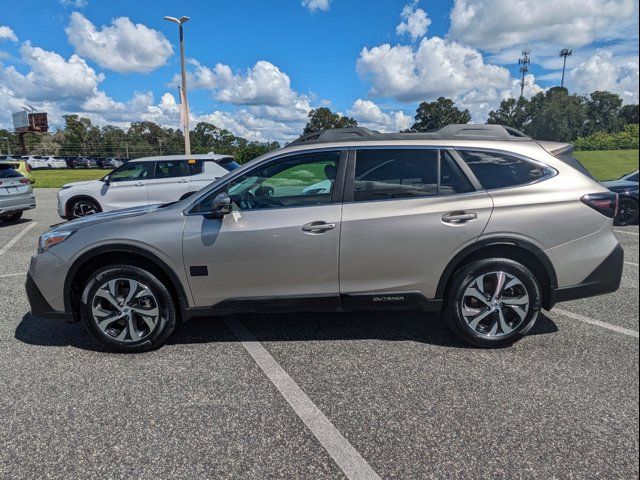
[(459, 217), (184, 180), (318, 227), (139, 184)]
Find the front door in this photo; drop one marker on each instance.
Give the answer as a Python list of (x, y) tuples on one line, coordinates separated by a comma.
[(280, 241), (406, 214), (127, 186)]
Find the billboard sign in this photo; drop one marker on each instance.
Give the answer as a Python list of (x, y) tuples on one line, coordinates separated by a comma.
[(20, 120)]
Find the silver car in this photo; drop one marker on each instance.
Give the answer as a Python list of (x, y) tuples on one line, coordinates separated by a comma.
[(16, 194), (475, 221)]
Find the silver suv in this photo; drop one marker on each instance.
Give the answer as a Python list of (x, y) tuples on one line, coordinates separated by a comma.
[(476, 221)]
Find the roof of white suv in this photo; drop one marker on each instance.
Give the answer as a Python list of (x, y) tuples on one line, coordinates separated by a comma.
[(206, 156)]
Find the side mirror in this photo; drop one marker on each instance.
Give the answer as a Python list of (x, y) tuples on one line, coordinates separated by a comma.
[(221, 206), (106, 179)]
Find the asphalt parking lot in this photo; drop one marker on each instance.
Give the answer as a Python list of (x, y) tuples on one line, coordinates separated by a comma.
[(362, 395)]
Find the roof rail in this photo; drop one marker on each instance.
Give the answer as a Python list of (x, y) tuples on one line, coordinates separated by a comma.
[(450, 132)]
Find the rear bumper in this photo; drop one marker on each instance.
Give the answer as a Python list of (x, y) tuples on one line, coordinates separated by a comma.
[(604, 279), (39, 305), (17, 203)]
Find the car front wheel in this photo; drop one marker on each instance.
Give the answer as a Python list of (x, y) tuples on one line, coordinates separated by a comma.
[(83, 207), (127, 309), (493, 302), (627, 211), (11, 217)]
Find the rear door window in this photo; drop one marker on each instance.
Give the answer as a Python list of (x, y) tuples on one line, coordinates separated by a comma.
[(501, 170), (171, 169)]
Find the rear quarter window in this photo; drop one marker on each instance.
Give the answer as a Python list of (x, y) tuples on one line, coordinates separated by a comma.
[(501, 170)]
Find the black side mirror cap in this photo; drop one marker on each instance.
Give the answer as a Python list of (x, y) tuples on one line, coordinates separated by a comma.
[(221, 206)]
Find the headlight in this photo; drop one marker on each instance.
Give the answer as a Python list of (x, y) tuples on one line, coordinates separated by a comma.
[(49, 239)]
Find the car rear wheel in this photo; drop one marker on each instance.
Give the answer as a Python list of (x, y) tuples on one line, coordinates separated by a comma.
[(493, 302), (127, 309), (82, 208), (627, 211), (11, 217)]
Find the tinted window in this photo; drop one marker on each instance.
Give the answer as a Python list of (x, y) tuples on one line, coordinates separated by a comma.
[(633, 178), (452, 179), (295, 181), (171, 169), (196, 167), (499, 170), (389, 174), (132, 171), (7, 172)]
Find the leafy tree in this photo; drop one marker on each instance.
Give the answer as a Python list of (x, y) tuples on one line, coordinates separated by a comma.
[(75, 134), (603, 110), (438, 114), (512, 112), (628, 115), (324, 119), (556, 115)]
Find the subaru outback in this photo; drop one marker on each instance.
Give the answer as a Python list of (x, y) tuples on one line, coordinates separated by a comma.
[(477, 222)]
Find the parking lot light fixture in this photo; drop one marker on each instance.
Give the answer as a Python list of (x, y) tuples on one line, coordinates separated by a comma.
[(183, 91)]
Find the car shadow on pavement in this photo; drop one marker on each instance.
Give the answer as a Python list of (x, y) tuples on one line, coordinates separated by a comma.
[(388, 326), (17, 222)]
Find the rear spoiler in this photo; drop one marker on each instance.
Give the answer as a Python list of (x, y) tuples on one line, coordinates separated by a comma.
[(564, 152)]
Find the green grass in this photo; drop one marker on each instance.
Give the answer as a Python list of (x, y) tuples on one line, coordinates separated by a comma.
[(57, 178), (609, 164), (603, 164)]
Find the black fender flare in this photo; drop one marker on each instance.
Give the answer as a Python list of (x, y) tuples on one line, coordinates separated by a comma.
[(123, 248), (529, 247)]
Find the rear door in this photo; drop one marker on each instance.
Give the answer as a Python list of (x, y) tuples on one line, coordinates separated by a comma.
[(170, 182), (407, 212)]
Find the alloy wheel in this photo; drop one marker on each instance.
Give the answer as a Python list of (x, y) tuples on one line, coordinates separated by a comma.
[(125, 310), (82, 209), (627, 211), (495, 304)]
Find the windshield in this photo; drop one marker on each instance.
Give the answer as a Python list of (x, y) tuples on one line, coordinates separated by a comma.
[(7, 172)]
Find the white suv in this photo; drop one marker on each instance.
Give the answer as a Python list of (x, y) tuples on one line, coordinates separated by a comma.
[(144, 181)]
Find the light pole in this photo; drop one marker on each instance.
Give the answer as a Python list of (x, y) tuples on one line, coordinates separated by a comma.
[(183, 91), (565, 52)]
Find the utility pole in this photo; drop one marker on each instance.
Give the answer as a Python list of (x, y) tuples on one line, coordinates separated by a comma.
[(183, 91), (565, 52), (524, 62)]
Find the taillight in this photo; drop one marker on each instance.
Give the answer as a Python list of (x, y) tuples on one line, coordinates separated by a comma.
[(28, 168), (25, 181), (606, 203)]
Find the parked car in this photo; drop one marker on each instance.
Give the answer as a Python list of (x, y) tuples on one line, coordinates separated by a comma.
[(627, 189), (103, 162), (115, 162), (16, 194), (35, 161), (20, 166), (478, 222), (81, 162), (142, 182), (55, 162)]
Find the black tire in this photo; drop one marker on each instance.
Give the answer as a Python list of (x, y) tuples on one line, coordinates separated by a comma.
[(627, 212), (74, 208), (464, 277), (11, 217), (155, 337)]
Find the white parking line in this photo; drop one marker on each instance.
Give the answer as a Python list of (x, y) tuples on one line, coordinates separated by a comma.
[(597, 323), (13, 241), (21, 274), (624, 231), (631, 263), (346, 457)]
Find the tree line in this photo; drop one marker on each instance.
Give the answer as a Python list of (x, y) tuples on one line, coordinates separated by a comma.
[(594, 121)]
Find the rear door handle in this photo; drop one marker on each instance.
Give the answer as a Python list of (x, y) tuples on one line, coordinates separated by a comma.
[(459, 217), (318, 227)]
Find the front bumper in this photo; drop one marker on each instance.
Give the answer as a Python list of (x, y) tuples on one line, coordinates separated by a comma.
[(39, 305), (604, 279)]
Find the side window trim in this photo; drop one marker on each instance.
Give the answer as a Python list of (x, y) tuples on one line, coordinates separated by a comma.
[(466, 170), (336, 196)]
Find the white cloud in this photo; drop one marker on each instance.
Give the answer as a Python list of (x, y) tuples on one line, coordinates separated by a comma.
[(122, 47), (497, 24), (369, 115), (51, 77), (602, 71), (415, 21), (74, 3), (314, 5), (6, 33), (437, 67)]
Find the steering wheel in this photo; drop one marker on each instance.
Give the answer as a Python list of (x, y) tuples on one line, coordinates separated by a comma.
[(247, 201)]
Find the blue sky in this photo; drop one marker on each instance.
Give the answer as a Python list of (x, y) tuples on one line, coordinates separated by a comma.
[(257, 67)]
